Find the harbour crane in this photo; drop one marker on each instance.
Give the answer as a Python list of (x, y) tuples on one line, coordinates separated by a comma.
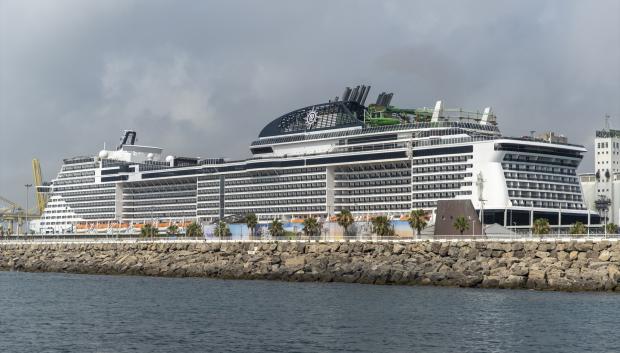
[(40, 194), (12, 215)]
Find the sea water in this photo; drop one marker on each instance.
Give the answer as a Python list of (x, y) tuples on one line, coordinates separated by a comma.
[(46, 312)]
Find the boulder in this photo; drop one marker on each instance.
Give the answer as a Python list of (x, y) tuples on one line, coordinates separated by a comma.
[(614, 273), (583, 246), (519, 269), (536, 279), (490, 282), (572, 256), (530, 246), (604, 255), (546, 246), (398, 249), (512, 282), (295, 263), (516, 246), (562, 255), (601, 245)]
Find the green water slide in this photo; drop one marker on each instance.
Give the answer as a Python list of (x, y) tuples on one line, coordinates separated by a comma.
[(378, 115)]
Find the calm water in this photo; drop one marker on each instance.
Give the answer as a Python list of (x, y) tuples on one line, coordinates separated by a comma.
[(80, 313)]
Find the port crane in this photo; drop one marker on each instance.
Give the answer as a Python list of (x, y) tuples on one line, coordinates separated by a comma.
[(12, 215)]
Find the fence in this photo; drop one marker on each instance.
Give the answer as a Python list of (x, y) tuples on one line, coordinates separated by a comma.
[(73, 238)]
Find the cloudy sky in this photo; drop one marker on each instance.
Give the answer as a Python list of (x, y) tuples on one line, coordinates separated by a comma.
[(201, 78)]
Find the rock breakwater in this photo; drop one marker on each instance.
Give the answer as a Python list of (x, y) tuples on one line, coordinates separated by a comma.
[(569, 265)]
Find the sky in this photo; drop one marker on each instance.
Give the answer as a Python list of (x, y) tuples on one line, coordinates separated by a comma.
[(201, 78)]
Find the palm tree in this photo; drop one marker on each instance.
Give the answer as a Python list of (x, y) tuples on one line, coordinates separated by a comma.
[(221, 230), (251, 221), (172, 230), (148, 230), (541, 226), (382, 227), (578, 228), (311, 227), (194, 230), (276, 229), (461, 224), (144, 231), (612, 228), (345, 219), (417, 220)]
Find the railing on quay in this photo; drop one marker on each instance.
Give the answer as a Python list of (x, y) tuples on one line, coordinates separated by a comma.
[(84, 239)]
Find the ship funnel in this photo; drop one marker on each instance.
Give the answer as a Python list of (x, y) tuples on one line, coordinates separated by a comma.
[(346, 94), (363, 100), (354, 93), (129, 138), (360, 93), (388, 99), (380, 98)]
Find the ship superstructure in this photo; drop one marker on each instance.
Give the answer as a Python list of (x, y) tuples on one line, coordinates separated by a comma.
[(321, 159)]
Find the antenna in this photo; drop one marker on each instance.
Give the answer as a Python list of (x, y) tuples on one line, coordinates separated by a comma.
[(607, 117)]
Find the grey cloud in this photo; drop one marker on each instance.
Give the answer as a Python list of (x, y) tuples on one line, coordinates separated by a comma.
[(202, 78)]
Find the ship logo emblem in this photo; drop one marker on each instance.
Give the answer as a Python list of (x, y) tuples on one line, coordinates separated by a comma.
[(311, 118)]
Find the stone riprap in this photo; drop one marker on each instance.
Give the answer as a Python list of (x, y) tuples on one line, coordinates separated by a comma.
[(570, 265)]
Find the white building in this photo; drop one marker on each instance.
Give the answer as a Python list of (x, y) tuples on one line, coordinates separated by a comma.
[(605, 181)]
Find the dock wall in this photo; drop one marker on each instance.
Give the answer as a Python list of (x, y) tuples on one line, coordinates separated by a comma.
[(544, 265)]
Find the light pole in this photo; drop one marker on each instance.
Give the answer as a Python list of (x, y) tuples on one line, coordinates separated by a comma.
[(531, 218), (480, 184), (560, 220), (26, 227)]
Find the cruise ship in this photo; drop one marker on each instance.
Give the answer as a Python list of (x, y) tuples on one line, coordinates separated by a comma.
[(374, 159)]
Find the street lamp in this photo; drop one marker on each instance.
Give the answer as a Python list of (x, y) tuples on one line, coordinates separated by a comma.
[(26, 227), (602, 206), (560, 220)]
